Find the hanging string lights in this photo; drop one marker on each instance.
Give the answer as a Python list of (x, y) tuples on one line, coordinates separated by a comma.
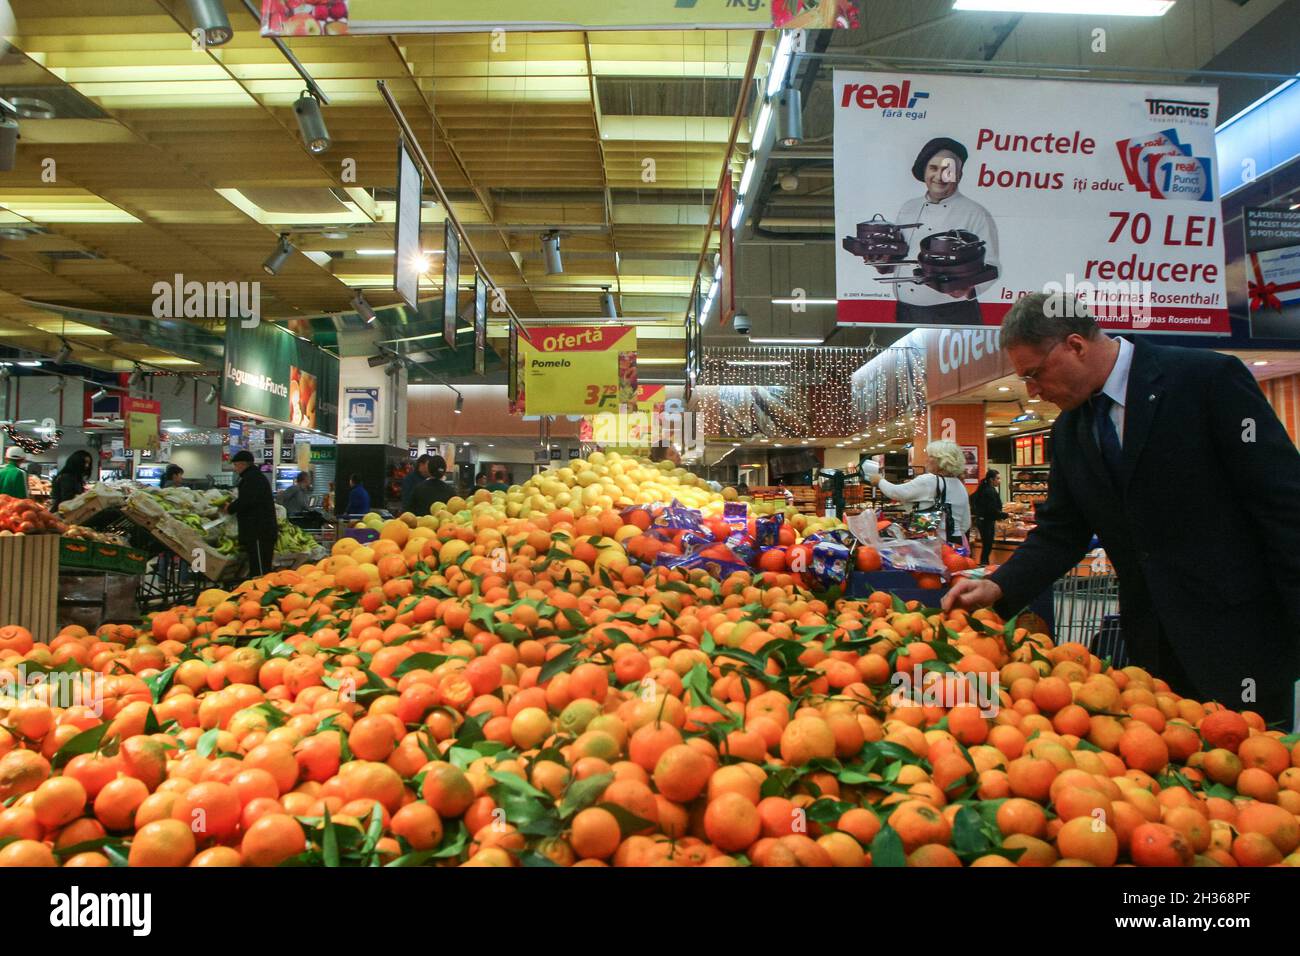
[(30, 443)]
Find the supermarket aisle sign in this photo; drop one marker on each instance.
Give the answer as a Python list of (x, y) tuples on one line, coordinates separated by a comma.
[(272, 375), (143, 421), (577, 369), (1108, 192), (341, 17)]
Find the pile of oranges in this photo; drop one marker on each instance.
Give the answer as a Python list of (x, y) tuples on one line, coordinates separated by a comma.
[(496, 691)]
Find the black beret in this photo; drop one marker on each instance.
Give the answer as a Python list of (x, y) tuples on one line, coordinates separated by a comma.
[(932, 147)]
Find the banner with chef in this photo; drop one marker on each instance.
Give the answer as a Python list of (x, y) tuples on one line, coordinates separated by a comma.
[(956, 196), (341, 17), (1273, 272)]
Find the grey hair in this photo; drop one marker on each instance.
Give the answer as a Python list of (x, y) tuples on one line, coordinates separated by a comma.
[(948, 456), (1045, 318)]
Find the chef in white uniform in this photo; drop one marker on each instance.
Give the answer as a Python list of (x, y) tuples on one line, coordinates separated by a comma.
[(941, 208)]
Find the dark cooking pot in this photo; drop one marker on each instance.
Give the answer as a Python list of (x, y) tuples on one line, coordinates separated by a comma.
[(952, 248), (877, 238), (950, 261)]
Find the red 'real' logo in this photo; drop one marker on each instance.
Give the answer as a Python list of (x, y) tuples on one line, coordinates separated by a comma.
[(869, 97)]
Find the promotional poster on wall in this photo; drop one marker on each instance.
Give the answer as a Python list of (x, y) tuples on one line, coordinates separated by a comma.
[(1273, 272), (956, 196)]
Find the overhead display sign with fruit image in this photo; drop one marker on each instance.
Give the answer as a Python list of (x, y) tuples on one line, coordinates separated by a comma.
[(632, 427), (956, 196), (294, 18), (272, 375), (143, 422), (578, 369)]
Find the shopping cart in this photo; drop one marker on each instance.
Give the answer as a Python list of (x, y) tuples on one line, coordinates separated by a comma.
[(1085, 608)]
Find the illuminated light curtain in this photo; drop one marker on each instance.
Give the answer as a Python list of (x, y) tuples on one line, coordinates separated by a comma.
[(889, 393), (779, 392)]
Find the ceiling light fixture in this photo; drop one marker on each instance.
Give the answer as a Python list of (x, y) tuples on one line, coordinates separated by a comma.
[(607, 304), (276, 260), (64, 353), (136, 378), (551, 253), (57, 386), (1004, 388), (363, 308), (785, 341), (211, 396), (1259, 362), (789, 105), (460, 402), (98, 395), (1100, 8), (211, 21), (315, 134), (180, 384)]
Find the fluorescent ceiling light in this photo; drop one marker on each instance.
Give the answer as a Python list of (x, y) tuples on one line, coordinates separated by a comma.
[(661, 361), (763, 363), (760, 128), (1004, 388), (375, 252), (746, 177), (738, 215), (1107, 8), (1260, 362), (781, 341), (792, 301), (780, 63)]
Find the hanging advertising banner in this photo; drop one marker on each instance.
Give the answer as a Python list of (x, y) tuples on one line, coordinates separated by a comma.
[(955, 196), (577, 369), (408, 262), (142, 419), (480, 325), (1273, 272), (341, 17), (726, 253), (450, 284), (272, 375)]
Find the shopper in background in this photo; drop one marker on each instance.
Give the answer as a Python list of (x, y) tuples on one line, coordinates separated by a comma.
[(986, 510), (255, 511), (13, 480), (173, 477), (358, 497), (940, 486), (71, 479), (414, 478), (481, 481), (1175, 460), (297, 497), (433, 489)]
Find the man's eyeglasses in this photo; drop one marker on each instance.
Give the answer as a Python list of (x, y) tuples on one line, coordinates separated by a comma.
[(1032, 375)]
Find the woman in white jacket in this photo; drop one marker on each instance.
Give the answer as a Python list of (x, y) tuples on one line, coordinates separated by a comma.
[(944, 467)]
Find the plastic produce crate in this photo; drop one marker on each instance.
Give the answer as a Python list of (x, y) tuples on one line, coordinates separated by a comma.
[(76, 553)]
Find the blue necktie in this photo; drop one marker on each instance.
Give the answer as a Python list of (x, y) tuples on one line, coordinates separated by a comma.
[(1107, 438)]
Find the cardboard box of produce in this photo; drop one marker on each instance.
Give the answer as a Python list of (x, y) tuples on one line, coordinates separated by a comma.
[(179, 536), (90, 503), (144, 510)]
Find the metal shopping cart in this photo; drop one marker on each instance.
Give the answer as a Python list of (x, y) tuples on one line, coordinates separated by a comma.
[(1085, 608)]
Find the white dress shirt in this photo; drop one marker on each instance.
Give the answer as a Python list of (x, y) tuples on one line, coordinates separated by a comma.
[(955, 212), (923, 491), (1116, 388)]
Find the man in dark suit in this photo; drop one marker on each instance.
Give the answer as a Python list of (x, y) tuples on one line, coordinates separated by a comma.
[(1175, 460)]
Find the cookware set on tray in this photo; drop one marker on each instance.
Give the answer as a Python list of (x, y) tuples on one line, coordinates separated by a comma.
[(946, 262)]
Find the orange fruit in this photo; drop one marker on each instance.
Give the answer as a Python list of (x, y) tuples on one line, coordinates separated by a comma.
[(732, 822), (682, 773), (162, 843), (446, 790), (1156, 844), (418, 824), (118, 801), (273, 839), (595, 834), (27, 853), (57, 801), (1224, 728)]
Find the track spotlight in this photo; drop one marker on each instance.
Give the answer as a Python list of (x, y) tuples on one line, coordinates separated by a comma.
[(276, 260), (180, 385), (137, 376), (99, 395), (551, 253), (607, 304), (209, 16), (211, 396), (64, 353), (57, 386), (460, 402), (363, 308), (315, 135), (789, 111)]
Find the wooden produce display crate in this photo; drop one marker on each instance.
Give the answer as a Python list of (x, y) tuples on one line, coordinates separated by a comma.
[(29, 583)]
